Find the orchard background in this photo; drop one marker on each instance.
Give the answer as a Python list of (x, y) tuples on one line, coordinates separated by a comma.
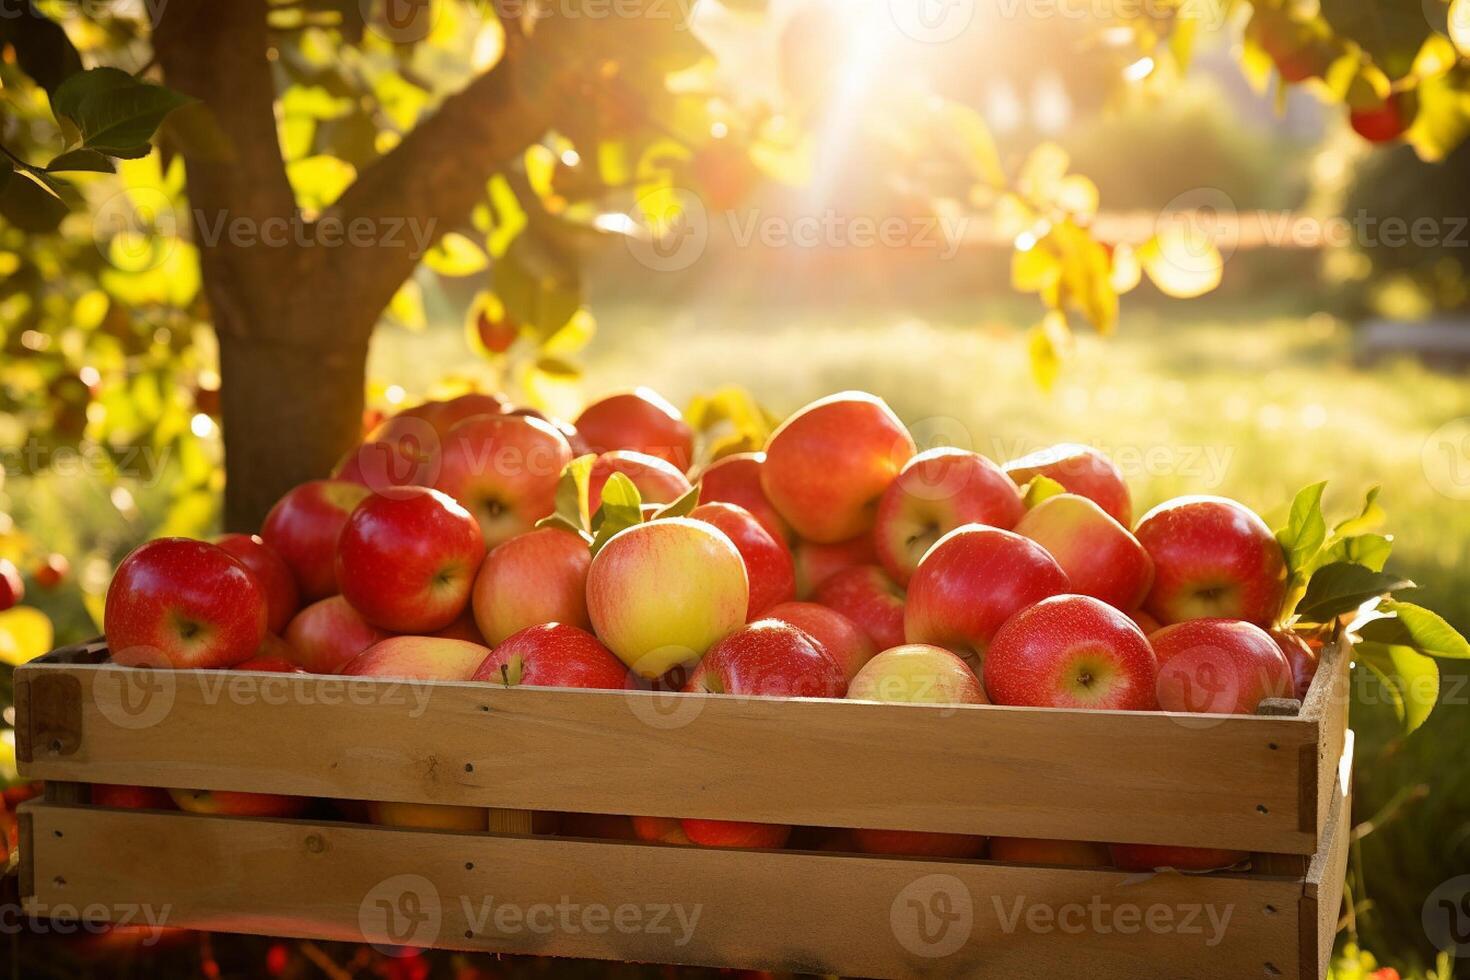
[(1226, 242)]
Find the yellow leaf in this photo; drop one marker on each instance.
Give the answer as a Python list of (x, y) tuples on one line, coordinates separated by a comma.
[(1046, 360), (319, 180), (407, 307), (25, 634), (1182, 260), (456, 255), (1438, 55), (1041, 176), (540, 165), (1035, 268), (1126, 271), (1077, 195), (576, 334)]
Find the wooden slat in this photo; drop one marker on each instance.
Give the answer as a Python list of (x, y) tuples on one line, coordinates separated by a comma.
[(1326, 707), (1322, 889), (777, 910), (1211, 781)]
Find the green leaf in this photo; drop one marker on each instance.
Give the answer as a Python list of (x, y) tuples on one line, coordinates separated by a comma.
[(1370, 518), (1305, 531), (540, 287), (622, 508), (29, 202), (1039, 488), (42, 48), (88, 160), (1369, 550), (571, 493), (1410, 678), (680, 507), (1417, 627), (1342, 587), (115, 112)]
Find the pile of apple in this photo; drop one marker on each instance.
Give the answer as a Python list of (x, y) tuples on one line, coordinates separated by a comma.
[(467, 540)]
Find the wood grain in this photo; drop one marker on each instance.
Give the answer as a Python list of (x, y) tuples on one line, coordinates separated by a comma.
[(1211, 781), (777, 910)]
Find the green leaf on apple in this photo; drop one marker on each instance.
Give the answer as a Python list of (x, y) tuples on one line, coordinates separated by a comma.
[(1039, 488), (622, 508), (682, 506), (571, 495), (1342, 587), (1410, 679), (1368, 550), (1414, 626), (1305, 531)]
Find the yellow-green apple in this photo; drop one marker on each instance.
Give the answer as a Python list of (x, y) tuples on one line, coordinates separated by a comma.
[(418, 658), (972, 581), (504, 469), (918, 843), (272, 656), (660, 594), (328, 633), (659, 830), (282, 598), (407, 559), (827, 465), (1100, 556), (769, 657), (1151, 857), (537, 577), (1300, 657), (657, 480), (428, 816), (735, 833), (815, 563), (1041, 850), (843, 639), (867, 596), (1213, 558), (238, 804), (1219, 666), (303, 526), (736, 479), (1072, 651), (553, 655), (178, 602), (640, 420), (768, 564), (12, 586), (1081, 470), (934, 493), (917, 673), (132, 797)]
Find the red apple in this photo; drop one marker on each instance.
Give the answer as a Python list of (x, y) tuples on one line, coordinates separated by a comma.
[(183, 603), (302, 528), (327, 634), (1081, 470), (470, 405), (12, 586), (504, 470), (769, 657), (538, 577), (239, 804), (281, 595), (639, 420), (418, 658), (463, 628), (662, 593), (132, 797), (657, 480), (1152, 857), (272, 656), (52, 570), (407, 559), (1144, 621), (1213, 558), (843, 639), (768, 564), (935, 493), (1386, 121), (735, 833), (1040, 850), (736, 479), (827, 465), (917, 673), (553, 655), (1072, 651), (914, 843), (1219, 666), (815, 563), (405, 451), (1300, 657), (1101, 558), (868, 597), (660, 830), (972, 581)]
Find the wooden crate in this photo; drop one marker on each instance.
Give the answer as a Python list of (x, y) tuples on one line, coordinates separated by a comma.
[(1273, 785)]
